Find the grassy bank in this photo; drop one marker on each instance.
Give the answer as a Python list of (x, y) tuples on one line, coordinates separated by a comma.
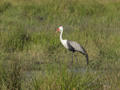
[(32, 57)]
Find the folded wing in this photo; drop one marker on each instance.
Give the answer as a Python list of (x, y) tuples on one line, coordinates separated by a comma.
[(76, 46)]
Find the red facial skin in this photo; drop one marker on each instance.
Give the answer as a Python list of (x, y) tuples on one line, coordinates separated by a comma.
[(57, 30)]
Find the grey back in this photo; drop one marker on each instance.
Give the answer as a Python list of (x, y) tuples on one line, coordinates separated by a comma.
[(76, 46)]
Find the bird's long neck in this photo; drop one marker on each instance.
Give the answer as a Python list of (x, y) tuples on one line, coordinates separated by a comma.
[(61, 36), (64, 42)]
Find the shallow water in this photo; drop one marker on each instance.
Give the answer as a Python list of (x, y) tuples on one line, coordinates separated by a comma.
[(84, 69)]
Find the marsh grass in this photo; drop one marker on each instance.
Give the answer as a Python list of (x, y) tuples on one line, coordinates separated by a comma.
[(14, 40), (11, 73), (64, 79), (32, 57)]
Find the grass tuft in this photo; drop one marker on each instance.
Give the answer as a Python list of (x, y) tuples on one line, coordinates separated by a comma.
[(27, 33)]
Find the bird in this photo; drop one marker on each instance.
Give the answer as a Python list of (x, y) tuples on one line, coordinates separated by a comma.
[(72, 46)]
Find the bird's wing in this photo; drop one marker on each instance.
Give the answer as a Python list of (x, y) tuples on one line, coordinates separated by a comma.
[(76, 46)]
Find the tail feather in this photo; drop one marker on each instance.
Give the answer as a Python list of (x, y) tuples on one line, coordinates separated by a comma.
[(86, 55)]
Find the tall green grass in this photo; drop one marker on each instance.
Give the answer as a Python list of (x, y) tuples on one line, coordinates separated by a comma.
[(62, 79), (32, 57), (11, 72)]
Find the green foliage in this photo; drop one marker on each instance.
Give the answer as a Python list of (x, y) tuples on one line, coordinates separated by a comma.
[(14, 40), (11, 73), (34, 10), (4, 6), (64, 79), (27, 30)]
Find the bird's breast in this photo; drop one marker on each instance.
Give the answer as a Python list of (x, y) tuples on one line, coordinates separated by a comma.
[(64, 42)]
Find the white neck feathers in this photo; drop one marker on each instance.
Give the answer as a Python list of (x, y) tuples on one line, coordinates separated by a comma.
[(61, 36), (64, 42)]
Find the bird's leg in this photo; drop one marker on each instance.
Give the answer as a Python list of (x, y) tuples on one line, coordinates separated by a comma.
[(71, 63), (72, 59), (76, 60)]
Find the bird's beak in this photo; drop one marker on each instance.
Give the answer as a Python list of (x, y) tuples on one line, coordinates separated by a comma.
[(57, 30)]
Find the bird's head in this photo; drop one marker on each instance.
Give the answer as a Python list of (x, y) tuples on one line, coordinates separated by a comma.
[(60, 29)]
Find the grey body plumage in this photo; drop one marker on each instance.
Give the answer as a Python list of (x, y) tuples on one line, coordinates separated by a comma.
[(74, 46)]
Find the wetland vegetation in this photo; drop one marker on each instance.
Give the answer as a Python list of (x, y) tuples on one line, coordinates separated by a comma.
[(32, 57)]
